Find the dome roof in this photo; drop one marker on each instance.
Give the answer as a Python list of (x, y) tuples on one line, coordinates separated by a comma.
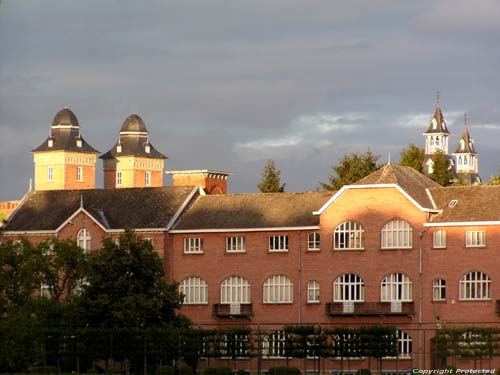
[(65, 117), (135, 124)]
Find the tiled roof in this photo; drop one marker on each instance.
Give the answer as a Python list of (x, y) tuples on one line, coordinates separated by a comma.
[(410, 180), (253, 211), (113, 208), (474, 203)]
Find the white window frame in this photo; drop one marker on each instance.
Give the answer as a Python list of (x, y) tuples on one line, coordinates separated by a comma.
[(313, 295), (396, 287), (349, 287), (235, 289), (235, 244), (79, 173), (439, 290), (147, 177), (84, 240), (405, 345), (119, 178), (313, 241), (475, 238), (278, 289), (397, 234), (349, 236), (278, 244), (193, 245), (150, 240), (475, 286), (50, 173), (45, 290), (439, 239), (195, 291), (274, 345)]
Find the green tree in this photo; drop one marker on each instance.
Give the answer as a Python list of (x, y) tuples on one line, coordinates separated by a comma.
[(351, 168), (270, 181), (495, 180), (441, 171), (126, 285), (412, 156)]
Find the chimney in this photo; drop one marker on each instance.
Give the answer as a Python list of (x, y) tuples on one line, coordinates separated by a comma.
[(213, 182)]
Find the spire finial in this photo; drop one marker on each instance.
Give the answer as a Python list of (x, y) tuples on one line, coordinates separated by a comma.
[(81, 200), (437, 96), (389, 159), (465, 119)]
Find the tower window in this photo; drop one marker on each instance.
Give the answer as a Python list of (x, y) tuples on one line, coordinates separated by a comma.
[(79, 142), (79, 174), (147, 148), (148, 178), (118, 178), (50, 143), (50, 174), (119, 148)]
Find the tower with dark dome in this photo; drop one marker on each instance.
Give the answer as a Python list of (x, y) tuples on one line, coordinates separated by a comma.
[(64, 160), (133, 161)]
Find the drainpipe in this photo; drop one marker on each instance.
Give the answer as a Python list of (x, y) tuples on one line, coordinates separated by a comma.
[(421, 360), (300, 277)]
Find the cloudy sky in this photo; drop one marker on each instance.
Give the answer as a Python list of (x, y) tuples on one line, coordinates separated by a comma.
[(228, 84)]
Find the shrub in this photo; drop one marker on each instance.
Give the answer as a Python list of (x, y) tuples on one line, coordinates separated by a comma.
[(363, 371), (283, 370), (114, 370), (223, 370), (242, 372), (165, 370), (210, 371), (185, 370), (44, 370)]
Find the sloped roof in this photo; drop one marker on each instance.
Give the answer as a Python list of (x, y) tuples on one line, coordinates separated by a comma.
[(468, 143), (113, 208), (411, 181), (437, 123), (134, 123), (263, 210), (474, 203)]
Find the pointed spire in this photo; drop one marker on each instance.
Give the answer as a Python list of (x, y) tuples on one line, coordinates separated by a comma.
[(465, 144), (438, 122), (81, 200)]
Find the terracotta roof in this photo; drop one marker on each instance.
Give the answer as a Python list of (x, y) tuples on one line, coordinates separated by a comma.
[(113, 208), (474, 203), (410, 180), (438, 122), (261, 210)]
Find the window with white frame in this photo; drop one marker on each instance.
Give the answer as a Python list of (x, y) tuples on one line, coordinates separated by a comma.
[(397, 234), (83, 239), (396, 287), (79, 173), (347, 345), (148, 178), (475, 286), (194, 291), (233, 345), (118, 178), (313, 292), (235, 289), (439, 239), (278, 289), (45, 290), (404, 345), (475, 238), (235, 244), (349, 236), (150, 240), (278, 243), (50, 174), (349, 288), (274, 345), (313, 241), (439, 290), (193, 245)]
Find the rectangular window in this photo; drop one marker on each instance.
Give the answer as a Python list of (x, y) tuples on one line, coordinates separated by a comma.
[(475, 238), (274, 345), (278, 244), (313, 241), (148, 178), (235, 244), (79, 174), (439, 290), (50, 174), (439, 239), (193, 245), (150, 240), (118, 178)]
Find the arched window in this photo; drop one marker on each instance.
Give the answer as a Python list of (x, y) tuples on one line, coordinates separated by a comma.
[(397, 234), (278, 289), (313, 292), (313, 241), (83, 239), (235, 289), (348, 288), (439, 290), (349, 236), (404, 345), (439, 239), (475, 286), (194, 290), (396, 287)]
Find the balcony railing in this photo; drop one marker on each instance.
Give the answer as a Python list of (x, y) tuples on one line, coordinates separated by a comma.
[(233, 310), (369, 308)]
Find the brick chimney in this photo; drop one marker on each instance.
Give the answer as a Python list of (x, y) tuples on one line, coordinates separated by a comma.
[(213, 182)]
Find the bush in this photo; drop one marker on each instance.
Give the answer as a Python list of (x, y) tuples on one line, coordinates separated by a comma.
[(242, 372), (114, 370), (165, 370), (185, 370), (363, 371), (210, 371), (283, 370), (44, 370), (223, 370)]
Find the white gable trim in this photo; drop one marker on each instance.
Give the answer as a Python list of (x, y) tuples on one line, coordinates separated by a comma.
[(181, 209), (81, 209), (228, 230), (462, 224), (373, 186)]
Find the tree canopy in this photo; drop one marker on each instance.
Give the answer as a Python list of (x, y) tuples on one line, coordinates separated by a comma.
[(441, 172), (350, 169), (270, 181), (413, 157)]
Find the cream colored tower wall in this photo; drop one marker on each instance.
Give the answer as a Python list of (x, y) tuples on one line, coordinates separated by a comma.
[(133, 170)]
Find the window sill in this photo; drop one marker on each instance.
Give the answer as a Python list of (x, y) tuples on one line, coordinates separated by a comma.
[(277, 251), (475, 247), (439, 301), (395, 248), (439, 248), (197, 253), (236, 252), (348, 250), (313, 250), (313, 303)]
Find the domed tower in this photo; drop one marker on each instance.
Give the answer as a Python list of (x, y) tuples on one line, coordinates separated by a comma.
[(466, 158), (64, 160), (133, 161)]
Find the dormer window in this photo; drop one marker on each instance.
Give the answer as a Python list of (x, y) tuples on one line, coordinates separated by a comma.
[(462, 144), (50, 143), (119, 147), (79, 142), (147, 148), (434, 123)]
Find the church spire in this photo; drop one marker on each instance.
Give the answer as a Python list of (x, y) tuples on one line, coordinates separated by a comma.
[(466, 157), (438, 122)]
